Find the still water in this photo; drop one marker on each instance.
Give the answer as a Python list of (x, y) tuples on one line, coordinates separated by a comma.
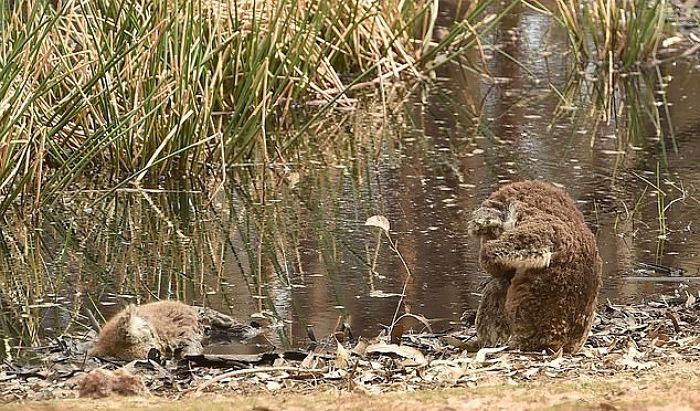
[(300, 255)]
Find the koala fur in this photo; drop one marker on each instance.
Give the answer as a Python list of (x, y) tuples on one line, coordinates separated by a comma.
[(173, 328), (545, 266)]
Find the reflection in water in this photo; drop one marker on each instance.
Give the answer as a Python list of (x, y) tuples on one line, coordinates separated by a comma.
[(300, 255)]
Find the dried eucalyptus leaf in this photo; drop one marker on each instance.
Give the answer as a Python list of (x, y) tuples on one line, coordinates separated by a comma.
[(378, 221), (481, 355)]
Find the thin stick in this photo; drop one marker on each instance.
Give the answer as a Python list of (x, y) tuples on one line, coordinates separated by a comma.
[(394, 247)]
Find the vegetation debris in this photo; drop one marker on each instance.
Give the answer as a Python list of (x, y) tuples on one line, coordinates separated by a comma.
[(631, 338)]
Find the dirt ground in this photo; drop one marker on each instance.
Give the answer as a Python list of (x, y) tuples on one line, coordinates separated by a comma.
[(669, 387)]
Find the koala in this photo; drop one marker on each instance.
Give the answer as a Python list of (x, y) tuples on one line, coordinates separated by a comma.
[(171, 327), (545, 265)]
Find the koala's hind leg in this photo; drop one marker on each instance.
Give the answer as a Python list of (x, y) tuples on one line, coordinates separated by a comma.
[(222, 325), (212, 318), (190, 346), (491, 321), (527, 246)]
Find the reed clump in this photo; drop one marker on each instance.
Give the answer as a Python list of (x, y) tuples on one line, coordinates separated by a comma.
[(139, 86), (618, 34)]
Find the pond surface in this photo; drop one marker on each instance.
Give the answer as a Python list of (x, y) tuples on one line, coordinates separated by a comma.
[(301, 255)]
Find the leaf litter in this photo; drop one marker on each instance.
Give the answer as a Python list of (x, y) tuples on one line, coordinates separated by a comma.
[(636, 338)]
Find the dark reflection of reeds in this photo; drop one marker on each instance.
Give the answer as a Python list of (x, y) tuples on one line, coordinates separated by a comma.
[(633, 109)]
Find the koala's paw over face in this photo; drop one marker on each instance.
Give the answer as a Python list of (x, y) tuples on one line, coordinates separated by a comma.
[(486, 222), (545, 266)]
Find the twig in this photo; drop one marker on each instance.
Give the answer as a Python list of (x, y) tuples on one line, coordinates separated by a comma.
[(688, 52), (91, 316), (394, 247)]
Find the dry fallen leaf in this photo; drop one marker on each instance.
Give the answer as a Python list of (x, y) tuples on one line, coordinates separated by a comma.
[(310, 361), (671, 41), (690, 301), (481, 355), (402, 351), (423, 320), (273, 385), (455, 342), (342, 356), (629, 360), (378, 221), (361, 347), (530, 373), (396, 332)]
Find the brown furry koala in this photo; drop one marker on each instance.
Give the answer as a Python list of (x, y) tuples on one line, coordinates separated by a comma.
[(173, 328), (545, 267)]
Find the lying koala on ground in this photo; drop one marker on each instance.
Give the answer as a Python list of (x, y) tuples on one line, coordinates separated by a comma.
[(172, 328)]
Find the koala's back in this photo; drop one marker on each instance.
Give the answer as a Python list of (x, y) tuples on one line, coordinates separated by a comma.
[(172, 321), (537, 200)]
